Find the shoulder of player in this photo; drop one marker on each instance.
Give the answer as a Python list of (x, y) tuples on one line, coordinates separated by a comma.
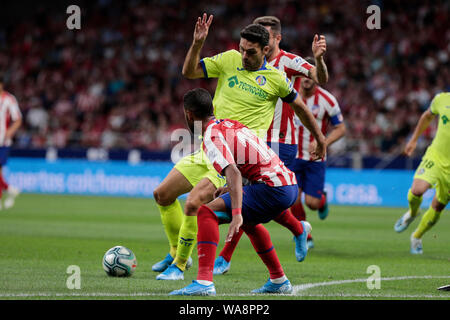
[(232, 53), (293, 64), (327, 96), (214, 128), (289, 55), (275, 73), (441, 96), (439, 100), (229, 54), (9, 97)]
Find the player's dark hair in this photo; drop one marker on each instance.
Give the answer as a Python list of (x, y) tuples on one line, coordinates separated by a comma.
[(199, 102), (269, 21), (311, 60), (256, 33), (2, 77)]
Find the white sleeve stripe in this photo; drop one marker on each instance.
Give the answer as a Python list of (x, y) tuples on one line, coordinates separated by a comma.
[(216, 156)]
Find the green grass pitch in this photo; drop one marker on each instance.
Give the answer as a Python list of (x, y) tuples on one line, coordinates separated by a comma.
[(44, 234)]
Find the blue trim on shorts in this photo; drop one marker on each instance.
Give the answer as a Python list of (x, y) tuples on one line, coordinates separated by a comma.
[(310, 176), (261, 203)]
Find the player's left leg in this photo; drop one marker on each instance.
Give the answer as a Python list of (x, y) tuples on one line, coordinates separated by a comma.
[(415, 193), (166, 196), (298, 166), (260, 239), (300, 230), (222, 263), (427, 174), (432, 215), (315, 197), (299, 213), (202, 193), (207, 240)]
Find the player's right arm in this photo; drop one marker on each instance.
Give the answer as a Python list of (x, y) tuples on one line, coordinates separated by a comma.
[(424, 122), (234, 181), (219, 153), (192, 68), (319, 73), (310, 123)]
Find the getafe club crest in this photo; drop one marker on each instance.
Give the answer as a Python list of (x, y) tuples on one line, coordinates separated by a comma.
[(261, 80)]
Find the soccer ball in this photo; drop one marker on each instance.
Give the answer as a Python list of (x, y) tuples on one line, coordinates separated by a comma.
[(119, 262)]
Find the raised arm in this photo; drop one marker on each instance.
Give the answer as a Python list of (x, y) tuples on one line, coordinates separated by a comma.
[(191, 67), (319, 73), (424, 122)]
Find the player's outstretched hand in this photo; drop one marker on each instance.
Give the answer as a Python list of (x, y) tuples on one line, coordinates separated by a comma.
[(409, 148), (202, 28), (235, 224), (319, 46)]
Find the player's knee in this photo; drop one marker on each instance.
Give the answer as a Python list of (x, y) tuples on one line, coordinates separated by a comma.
[(418, 188), (162, 197), (417, 191), (191, 207), (437, 206)]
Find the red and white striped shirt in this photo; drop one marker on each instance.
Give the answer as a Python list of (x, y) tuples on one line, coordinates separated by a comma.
[(228, 142), (282, 128), (325, 108), (9, 110)]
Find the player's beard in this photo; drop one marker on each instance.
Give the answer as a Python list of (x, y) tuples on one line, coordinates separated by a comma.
[(251, 66), (308, 87)]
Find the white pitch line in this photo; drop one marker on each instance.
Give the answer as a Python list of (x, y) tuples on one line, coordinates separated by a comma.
[(296, 290), (306, 286)]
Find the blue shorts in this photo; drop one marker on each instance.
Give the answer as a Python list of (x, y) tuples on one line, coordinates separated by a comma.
[(310, 176), (261, 203), (4, 153), (286, 152)]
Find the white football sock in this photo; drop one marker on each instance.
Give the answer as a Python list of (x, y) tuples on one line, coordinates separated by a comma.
[(279, 280)]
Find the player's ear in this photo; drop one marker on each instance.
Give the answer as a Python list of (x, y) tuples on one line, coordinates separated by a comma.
[(189, 115), (265, 50), (278, 37)]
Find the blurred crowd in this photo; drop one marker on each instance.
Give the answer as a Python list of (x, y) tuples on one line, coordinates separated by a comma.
[(117, 83)]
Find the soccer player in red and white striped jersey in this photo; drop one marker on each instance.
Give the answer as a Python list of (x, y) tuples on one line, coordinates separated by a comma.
[(10, 121), (281, 135), (311, 174), (237, 153)]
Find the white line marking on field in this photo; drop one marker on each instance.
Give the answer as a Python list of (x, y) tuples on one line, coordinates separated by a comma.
[(298, 291), (306, 286)]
